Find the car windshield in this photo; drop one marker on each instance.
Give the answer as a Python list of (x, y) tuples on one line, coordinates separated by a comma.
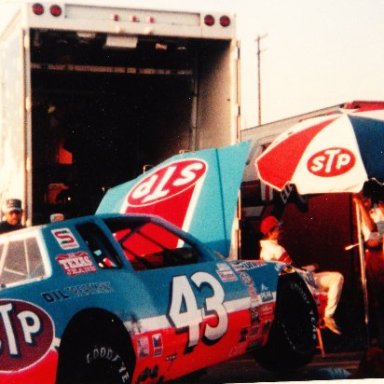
[(149, 245)]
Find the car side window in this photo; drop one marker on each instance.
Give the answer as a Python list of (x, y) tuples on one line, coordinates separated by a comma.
[(149, 246), (21, 260), (100, 247)]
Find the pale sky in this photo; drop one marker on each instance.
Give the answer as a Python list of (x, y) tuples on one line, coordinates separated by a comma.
[(315, 54)]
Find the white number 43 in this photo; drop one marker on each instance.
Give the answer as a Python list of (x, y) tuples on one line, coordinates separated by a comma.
[(184, 311)]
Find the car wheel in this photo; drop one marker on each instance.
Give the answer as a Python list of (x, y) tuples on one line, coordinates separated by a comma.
[(292, 339), (99, 354)]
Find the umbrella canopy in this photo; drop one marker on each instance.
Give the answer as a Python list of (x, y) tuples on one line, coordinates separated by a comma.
[(331, 153)]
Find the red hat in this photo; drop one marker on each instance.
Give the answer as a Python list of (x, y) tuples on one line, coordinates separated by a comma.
[(268, 223)]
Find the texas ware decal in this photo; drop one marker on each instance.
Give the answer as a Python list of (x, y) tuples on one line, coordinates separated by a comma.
[(26, 334), (169, 192), (331, 162)]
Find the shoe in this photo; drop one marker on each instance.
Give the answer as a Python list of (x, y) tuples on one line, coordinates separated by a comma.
[(330, 323)]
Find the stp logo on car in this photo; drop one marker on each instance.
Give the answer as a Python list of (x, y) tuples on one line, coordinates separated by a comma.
[(26, 334), (170, 192), (167, 182), (331, 162)]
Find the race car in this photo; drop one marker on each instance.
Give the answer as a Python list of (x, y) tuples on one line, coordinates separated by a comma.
[(129, 297)]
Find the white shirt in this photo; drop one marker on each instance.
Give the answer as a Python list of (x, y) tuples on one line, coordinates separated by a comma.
[(271, 250)]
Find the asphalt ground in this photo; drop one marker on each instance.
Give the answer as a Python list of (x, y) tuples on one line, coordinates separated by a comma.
[(334, 366)]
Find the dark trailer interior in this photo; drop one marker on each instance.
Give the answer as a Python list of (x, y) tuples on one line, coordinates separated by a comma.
[(103, 107)]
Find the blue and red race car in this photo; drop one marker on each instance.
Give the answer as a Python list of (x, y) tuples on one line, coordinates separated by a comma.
[(129, 297)]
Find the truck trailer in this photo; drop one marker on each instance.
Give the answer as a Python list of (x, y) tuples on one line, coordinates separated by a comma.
[(93, 95)]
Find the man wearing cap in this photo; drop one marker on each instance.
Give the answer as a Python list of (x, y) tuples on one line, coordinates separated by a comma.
[(270, 247), (331, 282), (13, 212)]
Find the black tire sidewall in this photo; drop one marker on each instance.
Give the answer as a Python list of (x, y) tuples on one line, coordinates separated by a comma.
[(96, 358), (292, 339), (298, 324)]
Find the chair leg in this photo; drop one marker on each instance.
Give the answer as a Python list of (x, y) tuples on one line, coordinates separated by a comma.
[(320, 341)]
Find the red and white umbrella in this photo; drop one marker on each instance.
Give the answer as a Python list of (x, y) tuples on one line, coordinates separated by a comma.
[(331, 153)]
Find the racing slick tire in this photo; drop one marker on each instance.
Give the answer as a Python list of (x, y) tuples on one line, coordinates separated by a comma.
[(292, 338), (97, 351)]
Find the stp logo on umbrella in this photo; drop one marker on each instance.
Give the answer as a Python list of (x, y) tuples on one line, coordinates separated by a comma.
[(331, 162)]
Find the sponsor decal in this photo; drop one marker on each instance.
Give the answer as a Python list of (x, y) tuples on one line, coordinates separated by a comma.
[(265, 294), (77, 291), (177, 184), (143, 346), (255, 317), (225, 273), (157, 343), (26, 334), (148, 373), (254, 305), (89, 289), (331, 162), (76, 263), (54, 296), (65, 238), (267, 310), (240, 265), (167, 182)]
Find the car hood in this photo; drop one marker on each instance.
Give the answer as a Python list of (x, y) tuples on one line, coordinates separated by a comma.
[(196, 191)]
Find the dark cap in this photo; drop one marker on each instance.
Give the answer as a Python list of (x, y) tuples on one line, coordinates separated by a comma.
[(12, 205)]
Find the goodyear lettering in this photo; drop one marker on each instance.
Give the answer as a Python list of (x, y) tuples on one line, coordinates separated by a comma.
[(107, 353), (331, 162)]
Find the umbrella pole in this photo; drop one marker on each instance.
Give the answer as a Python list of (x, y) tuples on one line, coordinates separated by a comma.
[(363, 275)]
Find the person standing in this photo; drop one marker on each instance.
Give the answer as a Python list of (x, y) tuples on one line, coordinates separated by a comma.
[(370, 203), (13, 213), (329, 281)]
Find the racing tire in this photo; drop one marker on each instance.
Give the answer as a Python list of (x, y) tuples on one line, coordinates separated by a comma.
[(292, 339), (97, 354)]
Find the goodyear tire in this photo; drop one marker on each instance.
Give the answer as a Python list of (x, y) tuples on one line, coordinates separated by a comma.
[(292, 339), (100, 354)]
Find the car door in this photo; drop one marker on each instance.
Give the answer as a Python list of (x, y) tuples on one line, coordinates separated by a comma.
[(198, 312)]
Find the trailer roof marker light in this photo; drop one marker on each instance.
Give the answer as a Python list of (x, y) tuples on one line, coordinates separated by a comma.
[(225, 21), (209, 20), (37, 9), (56, 10), (151, 19), (134, 18), (115, 17)]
